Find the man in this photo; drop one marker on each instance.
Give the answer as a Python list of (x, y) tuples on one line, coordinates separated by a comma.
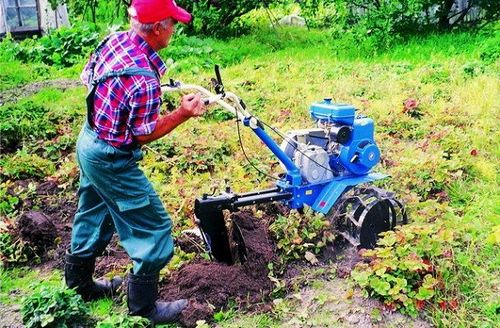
[(123, 107)]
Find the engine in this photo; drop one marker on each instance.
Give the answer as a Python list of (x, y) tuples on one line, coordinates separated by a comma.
[(342, 144)]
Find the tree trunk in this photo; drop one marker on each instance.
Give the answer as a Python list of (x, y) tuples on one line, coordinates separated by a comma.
[(443, 13)]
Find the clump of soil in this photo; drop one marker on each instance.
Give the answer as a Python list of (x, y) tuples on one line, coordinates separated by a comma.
[(216, 283), (37, 230)]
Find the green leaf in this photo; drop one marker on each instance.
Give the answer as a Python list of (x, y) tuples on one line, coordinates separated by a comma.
[(424, 294), (380, 286)]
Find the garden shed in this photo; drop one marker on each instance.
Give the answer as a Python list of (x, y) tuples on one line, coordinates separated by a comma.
[(29, 17)]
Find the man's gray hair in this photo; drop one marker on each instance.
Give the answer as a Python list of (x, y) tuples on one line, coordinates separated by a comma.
[(147, 27)]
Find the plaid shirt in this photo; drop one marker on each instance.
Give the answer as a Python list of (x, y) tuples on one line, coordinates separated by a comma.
[(125, 106)]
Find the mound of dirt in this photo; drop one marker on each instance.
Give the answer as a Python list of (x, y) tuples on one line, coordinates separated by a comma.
[(38, 230), (214, 283)]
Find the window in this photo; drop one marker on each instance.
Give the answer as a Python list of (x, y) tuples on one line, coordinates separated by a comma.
[(22, 15)]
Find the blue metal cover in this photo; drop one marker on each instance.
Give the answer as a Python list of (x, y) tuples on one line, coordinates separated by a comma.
[(326, 111)]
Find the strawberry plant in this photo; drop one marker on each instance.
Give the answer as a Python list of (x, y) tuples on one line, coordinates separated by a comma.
[(296, 234), (123, 321), (23, 165), (13, 250), (54, 307), (405, 271)]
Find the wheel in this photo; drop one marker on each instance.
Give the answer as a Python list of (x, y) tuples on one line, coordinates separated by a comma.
[(362, 213)]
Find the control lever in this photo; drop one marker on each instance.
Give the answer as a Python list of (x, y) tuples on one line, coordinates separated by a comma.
[(217, 83)]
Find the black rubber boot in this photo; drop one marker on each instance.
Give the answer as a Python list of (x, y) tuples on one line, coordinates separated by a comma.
[(78, 273), (142, 295)]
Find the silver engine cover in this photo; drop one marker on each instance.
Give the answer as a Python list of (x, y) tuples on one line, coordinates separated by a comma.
[(313, 162), (303, 140)]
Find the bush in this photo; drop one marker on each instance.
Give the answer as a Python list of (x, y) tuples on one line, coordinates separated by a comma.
[(63, 47), (218, 17), (54, 307), (24, 121)]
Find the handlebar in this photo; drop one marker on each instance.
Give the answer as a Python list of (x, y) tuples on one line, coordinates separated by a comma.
[(227, 100)]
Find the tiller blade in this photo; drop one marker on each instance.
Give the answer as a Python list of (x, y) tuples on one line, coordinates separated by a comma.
[(224, 241), (224, 238)]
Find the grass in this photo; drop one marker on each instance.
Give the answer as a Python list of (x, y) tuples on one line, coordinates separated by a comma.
[(18, 282), (453, 148)]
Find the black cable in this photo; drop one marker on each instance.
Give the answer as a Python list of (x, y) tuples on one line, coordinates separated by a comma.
[(294, 145), (245, 154), (280, 135)]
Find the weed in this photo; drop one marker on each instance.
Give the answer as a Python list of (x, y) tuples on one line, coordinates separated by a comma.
[(8, 202), (406, 270), (25, 121), (14, 251), (23, 166)]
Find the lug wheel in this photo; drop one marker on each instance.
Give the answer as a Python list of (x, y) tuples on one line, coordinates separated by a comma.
[(362, 213)]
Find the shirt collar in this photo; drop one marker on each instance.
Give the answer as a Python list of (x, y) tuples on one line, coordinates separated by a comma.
[(152, 55)]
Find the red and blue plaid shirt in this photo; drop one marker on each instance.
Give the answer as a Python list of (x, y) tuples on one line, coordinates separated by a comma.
[(125, 106)]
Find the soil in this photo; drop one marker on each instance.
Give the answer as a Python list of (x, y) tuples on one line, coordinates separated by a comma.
[(211, 283), (12, 95), (47, 230), (38, 230)]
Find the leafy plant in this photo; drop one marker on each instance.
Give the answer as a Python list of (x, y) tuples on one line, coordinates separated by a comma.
[(217, 17), (23, 165), (225, 315), (8, 202), (54, 307), (123, 321), (13, 251), (63, 47), (297, 234), (25, 121), (405, 270)]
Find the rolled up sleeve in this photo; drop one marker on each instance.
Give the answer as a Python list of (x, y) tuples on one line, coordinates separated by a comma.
[(145, 105)]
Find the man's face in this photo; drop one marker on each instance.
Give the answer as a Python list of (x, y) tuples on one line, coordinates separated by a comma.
[(165, 33)]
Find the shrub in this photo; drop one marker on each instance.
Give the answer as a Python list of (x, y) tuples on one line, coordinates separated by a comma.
[(63, 47), (218, 17), (54, 307)]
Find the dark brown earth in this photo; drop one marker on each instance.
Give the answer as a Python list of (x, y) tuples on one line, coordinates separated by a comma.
[(211, 283)]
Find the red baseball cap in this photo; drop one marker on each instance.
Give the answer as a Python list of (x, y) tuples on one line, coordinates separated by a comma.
[(151, 11)]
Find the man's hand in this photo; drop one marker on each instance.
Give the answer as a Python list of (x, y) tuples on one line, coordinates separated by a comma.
[(192, 105)]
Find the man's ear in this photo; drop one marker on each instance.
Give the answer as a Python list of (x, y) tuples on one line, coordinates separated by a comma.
[(156, 28)]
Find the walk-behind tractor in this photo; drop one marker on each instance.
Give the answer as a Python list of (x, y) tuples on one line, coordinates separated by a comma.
[(328, 168)]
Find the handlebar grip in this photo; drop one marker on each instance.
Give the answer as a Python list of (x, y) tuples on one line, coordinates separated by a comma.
[(211, 100)]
